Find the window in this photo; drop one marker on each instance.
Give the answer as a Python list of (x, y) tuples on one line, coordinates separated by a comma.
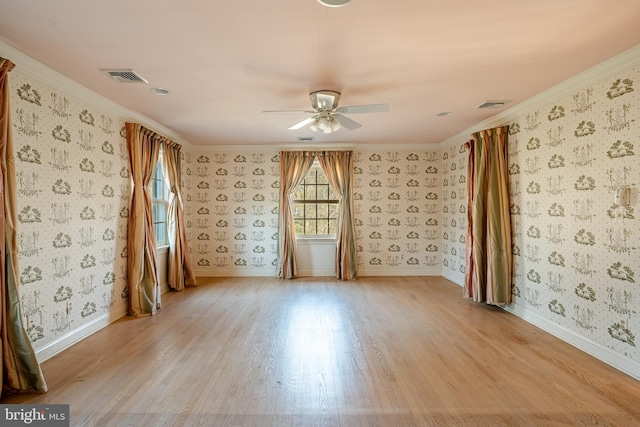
[(315, 205), (160, 204)]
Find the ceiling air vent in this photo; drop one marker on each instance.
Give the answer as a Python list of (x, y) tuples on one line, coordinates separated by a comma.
[(124, 76), (305, 139), (492, 104)]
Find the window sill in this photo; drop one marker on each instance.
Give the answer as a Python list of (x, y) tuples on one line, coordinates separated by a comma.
[(316, 240), (162, 249)]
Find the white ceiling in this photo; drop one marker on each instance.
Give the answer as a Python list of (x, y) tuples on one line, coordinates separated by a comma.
[(227, 61)]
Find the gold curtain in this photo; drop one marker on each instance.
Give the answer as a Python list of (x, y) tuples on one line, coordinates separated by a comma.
[(144, 286), (180, 267), (488, 244), (338, 167), (20, 369), (293, 168)]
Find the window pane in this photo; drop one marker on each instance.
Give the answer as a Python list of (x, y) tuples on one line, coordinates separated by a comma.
[(155, 189), (333, 225), (323, 226), (333, 210), (298, 210), (158, 212), (155, 211), (322, 179), (311, 176), (323, 192), (299, 224), (310, 227), (332, 194), (323, 210), (310, 211), (160, 230), (310, 192), (298, 194)]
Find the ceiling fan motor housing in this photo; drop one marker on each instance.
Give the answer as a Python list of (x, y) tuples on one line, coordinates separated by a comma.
[(324, 100)]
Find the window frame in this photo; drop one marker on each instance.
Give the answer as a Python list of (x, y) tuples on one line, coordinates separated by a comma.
[(159, 191), (315, 169)]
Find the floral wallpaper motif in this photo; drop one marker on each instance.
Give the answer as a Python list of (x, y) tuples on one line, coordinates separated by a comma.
[(231, 211), (397, 211), (73, 192), (576, 252)]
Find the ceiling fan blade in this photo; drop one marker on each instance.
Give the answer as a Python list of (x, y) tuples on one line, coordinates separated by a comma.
[(303, 123), (357, 109), (347, 122), (290, 111)]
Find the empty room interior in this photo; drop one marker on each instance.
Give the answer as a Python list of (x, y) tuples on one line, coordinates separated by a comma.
[(321, 212)]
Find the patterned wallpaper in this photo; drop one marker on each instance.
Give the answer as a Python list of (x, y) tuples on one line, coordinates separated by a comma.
[(73, 195), (454, 212), (397, 210), (576, 254), (232, 211), (576, 264)]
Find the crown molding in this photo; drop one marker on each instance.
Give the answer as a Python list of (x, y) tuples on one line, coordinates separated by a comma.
[(40, 72), (311, 147), (625, 60)]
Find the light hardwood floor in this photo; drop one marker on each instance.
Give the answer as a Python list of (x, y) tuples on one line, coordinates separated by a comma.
[(379, 351)]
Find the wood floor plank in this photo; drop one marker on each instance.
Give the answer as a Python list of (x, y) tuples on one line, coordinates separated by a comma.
[(379, 351)]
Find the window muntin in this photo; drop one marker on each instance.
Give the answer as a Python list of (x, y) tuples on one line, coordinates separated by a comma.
[(160, 204), (315, 205)]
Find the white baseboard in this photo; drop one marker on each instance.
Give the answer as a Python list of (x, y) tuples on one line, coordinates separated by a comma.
[(457, 278), (215, 272), (399, 272), (606, 355), (71, 338)]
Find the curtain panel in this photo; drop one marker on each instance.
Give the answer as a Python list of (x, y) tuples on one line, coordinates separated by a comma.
[(144, 286), (488, 243), (20, 369), (181, 273), (338, 167), (294, 165)]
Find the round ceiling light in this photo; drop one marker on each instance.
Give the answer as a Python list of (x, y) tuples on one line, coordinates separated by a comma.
[(334, 3), (160, 91)]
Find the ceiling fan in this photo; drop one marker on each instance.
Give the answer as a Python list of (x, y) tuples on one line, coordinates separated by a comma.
[(327, 116)]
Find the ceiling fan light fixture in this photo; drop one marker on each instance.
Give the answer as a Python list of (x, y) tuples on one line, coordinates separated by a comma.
[(334, 124), (334, 3), (314, 126), (323, 123)]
